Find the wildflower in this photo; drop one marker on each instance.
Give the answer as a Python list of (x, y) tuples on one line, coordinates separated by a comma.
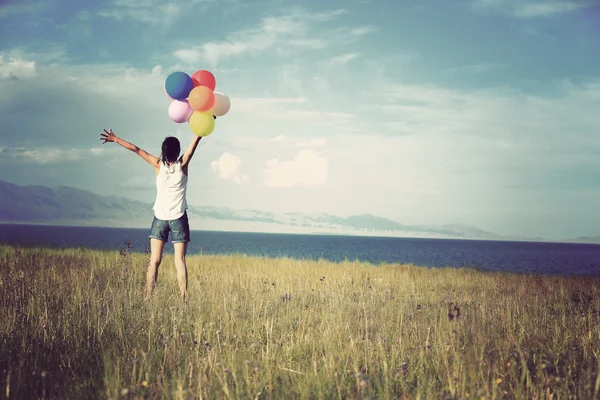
[(498, 381), (145, 384)]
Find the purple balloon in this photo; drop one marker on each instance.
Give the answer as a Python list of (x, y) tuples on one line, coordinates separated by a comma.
[(180, 111)]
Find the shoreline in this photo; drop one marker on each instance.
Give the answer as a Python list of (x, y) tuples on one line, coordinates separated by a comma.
[(300, 232)]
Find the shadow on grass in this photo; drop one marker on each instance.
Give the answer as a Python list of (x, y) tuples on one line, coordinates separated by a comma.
[(33, 366)]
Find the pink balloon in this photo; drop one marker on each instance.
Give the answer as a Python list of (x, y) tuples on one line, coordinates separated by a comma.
[(180, 111)]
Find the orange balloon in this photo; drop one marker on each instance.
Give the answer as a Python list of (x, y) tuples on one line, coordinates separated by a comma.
[(201, 98)]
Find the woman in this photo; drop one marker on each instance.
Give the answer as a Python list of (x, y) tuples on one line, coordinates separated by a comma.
[(170, 205)]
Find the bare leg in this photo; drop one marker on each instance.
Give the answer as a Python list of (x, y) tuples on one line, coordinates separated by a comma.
[(182, 275), (156, 251)]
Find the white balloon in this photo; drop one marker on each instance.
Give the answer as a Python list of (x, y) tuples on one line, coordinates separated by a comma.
[(221, 106)]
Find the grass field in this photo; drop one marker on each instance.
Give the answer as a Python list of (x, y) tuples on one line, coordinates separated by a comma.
[(74, 324)]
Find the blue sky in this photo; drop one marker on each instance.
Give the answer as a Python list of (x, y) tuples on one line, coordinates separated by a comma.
[(476, 111)]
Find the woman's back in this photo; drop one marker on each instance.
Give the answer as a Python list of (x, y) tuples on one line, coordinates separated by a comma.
[(171, 186)]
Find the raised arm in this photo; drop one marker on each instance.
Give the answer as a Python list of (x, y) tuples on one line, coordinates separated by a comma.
[(189, 153), (109, 136)]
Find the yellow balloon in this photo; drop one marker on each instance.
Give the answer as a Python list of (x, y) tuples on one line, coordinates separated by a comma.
[(202, 123)]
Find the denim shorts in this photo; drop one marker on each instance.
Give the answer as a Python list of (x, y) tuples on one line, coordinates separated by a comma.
[(179, 228)]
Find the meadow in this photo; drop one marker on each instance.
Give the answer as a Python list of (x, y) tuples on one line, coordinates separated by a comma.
[(75, 324)]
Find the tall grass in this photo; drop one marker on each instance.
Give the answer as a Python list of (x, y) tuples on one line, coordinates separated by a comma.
[(74, 324)]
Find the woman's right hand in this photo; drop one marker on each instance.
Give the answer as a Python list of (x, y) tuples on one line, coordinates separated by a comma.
[(108, 136)]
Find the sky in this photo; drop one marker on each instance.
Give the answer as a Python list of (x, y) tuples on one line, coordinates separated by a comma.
[(483, 112)]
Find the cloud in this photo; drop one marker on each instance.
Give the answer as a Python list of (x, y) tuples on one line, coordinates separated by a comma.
[(50, 155), (69, 111), (548, 8), (21, 7), (306, 169), (529, 9), (285, 34), (279, 138), (154, 12), (298, 111), (16, 67), (319, 142), (227, 167), (344, 58), (480, 68)]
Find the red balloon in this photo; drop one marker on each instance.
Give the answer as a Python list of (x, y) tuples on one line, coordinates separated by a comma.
[(204, 78)]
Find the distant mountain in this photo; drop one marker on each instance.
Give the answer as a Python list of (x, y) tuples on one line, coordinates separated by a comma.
[(67, 205), (586, 239), (44, 204)]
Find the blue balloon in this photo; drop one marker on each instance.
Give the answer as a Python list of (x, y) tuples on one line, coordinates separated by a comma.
[(179, 85)]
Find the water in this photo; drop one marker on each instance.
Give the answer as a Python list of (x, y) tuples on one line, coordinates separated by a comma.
[(524, 257)]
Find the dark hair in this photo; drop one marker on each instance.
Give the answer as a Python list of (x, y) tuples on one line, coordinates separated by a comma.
[(170, 149)]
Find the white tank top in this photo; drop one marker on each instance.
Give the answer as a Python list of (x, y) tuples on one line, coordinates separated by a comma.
[(171, 186)]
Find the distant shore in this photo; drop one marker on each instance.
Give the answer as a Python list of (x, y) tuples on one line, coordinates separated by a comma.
[(258, 227)]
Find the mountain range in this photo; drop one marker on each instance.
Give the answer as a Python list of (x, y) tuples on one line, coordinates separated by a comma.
[(65, 205)]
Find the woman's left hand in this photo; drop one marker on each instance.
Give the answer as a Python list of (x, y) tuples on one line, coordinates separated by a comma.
[(108, 136)]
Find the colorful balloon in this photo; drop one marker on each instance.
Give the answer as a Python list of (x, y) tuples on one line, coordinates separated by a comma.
[(201, 123), (221, 105), (178, 85), (204, 78), (180, 111), (168, 94), (201, 98)]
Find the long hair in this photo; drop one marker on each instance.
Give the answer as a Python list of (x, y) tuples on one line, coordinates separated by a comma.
[(170, 150)]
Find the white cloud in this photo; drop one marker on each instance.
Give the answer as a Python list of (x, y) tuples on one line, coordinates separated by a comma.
[(527, 9), (20, 8), (16, 67), (285, 34), (50, 155), (279, 138), (319, 142), (306, 169), (344, 58), (480, 68), (265, 103), (147, 11), (298, 111), (547, 8), (227, 167)]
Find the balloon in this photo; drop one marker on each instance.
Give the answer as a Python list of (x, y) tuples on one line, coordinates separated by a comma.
[(178, 85), (180, 111), (204, 78), (201, 123), (201, 98), (221, 106), (168, 93)]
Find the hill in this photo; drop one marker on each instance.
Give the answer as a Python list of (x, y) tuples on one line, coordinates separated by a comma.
[(67, 205)]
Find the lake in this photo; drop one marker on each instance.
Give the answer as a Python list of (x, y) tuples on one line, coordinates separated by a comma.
[(522, 257)]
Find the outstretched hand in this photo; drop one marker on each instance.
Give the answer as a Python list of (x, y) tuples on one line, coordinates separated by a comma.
[(108, 136)]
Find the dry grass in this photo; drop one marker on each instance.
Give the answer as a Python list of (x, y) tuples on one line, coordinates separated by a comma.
[(74, 324)]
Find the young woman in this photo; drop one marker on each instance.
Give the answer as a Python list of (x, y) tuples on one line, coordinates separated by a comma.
[(170, 204)]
